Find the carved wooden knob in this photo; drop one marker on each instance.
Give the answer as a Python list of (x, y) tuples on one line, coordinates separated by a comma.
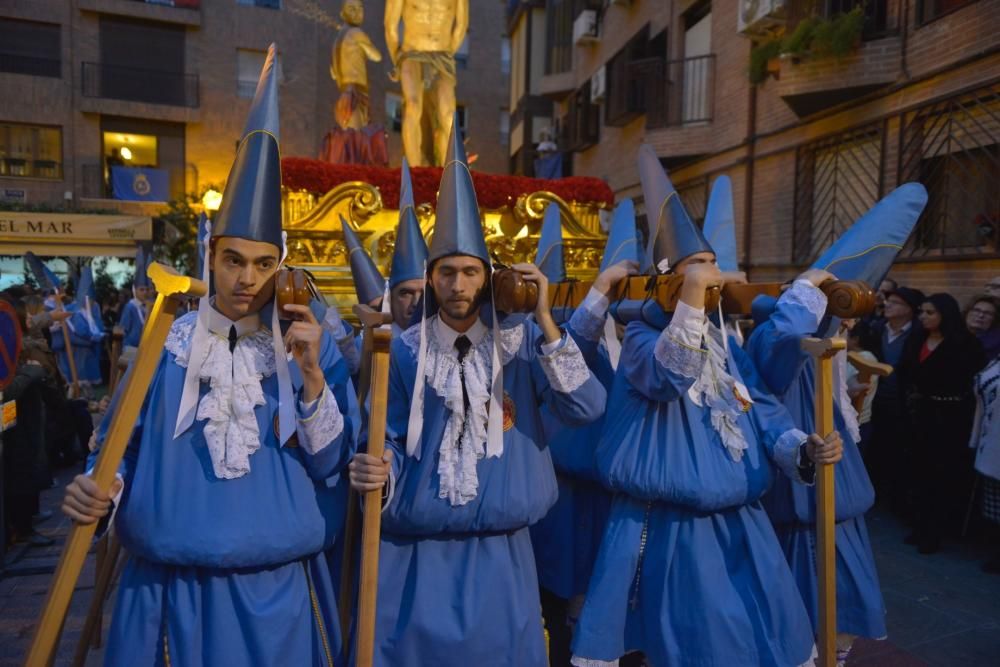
[(848, 298), (291, 287), (512, 293)]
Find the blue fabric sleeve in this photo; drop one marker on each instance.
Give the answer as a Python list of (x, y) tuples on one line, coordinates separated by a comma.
[(585, 400)]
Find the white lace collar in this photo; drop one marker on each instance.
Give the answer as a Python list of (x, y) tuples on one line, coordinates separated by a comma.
[(234, 378), (447, 336), (219, 324)]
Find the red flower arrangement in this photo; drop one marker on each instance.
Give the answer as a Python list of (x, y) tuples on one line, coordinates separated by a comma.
[(492, 190)]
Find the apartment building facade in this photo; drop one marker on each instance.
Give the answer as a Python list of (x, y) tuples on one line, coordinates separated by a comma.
[(809, 146), (166, 84)]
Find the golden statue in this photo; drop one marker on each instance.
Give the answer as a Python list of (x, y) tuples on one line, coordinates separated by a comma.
[(349, 67), (433, 31), (355, 140)]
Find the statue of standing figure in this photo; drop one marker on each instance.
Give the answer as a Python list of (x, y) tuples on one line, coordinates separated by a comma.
[(433, 30), (356, 140)]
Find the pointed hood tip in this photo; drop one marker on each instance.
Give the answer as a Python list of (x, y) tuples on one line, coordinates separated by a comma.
[(458, 227), (549, 256), (368, 281), (673, 236), (251, 202), (623, 240)]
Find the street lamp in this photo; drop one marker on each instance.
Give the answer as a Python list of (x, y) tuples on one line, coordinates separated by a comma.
[(211, 200)]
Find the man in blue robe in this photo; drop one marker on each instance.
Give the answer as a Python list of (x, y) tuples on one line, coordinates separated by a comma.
[(865, 252), (566, 540), (224, 514), (469, 468), (87, 331), (133, 317), (690, 571)]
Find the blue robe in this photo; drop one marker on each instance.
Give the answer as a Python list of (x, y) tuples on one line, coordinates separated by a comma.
[(566, 541), (131, 323), (229, 571), (457, 583), (789, 372), (86, 347), (690, 571)]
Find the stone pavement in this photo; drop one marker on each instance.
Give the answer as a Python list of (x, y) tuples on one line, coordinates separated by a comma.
[(942, 609)]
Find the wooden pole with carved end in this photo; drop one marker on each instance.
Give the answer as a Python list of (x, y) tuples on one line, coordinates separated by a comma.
[(867, 369), (822, 350), (348, 567), (377, 339), (170, 286), (74, 379)]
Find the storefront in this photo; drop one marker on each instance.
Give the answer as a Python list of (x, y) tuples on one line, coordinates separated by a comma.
[(72, 234)]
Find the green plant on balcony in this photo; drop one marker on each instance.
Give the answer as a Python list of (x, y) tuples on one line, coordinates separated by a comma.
[(814, 37)]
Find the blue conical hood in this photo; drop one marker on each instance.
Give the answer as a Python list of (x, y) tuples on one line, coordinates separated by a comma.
[(199, 241), (869, 247), (458, 229), (720, 224), (251, 203), (85, 288), (405, 187), (44, 276), (410, 254), (368, 282), (673, 236), (549, 257), (623, 240), (142, 262)]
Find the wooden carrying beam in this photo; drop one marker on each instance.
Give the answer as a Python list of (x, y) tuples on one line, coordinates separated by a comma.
[(823, 351), (846, 298), (377, 339), (171, 287)]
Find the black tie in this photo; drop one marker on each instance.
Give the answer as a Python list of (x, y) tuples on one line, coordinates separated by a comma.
[(233, 337), (463, 345)]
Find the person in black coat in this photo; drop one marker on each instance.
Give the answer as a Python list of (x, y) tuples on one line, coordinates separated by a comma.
[(936, 372)]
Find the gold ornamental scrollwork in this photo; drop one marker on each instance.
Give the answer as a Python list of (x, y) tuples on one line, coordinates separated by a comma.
[(364, 201), (531, 208)]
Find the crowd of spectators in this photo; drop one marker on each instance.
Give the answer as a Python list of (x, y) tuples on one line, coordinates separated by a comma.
[(53, 426), (933, 444)]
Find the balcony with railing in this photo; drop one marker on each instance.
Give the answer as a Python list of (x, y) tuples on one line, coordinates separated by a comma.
[(810, 80), (187, 12), (681, 93), (134, 84)]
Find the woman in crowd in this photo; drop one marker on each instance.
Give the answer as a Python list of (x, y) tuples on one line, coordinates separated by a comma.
[(936, 374), (986, 443), (982, 321)]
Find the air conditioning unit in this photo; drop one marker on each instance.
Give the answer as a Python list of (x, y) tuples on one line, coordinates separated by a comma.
[(585, 28), (598, 85), (759, 16)]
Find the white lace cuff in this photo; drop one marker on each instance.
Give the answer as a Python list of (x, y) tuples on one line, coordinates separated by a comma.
[(565, 367), (803, 293), (786, 453), (589, 662), (588, 320), (350, 352), (678, 349), (317, 430)]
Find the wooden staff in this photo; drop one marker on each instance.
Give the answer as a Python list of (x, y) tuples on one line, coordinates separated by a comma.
[(822, 350), (867, 369), (91, 634), (73, 378), (171, 288), (375, 347)]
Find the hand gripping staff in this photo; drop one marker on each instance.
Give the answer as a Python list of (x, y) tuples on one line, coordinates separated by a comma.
[(171, 287), (375, 353)]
